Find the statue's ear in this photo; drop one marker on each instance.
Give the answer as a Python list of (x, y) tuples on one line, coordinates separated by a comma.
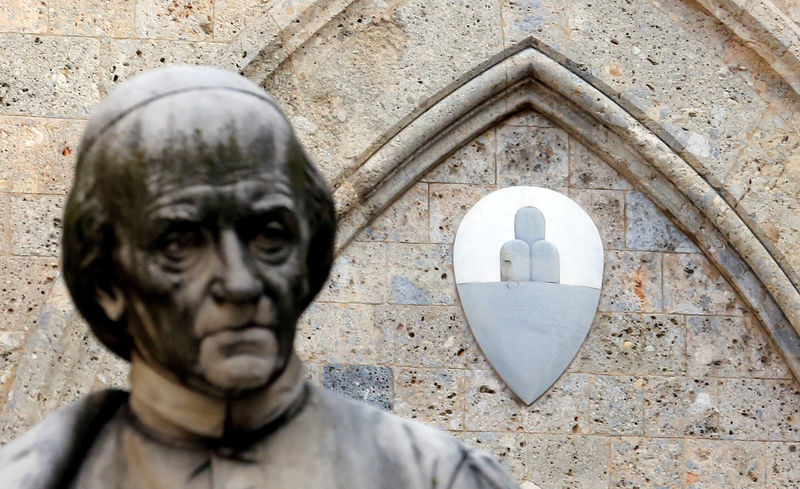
[(112, 302)]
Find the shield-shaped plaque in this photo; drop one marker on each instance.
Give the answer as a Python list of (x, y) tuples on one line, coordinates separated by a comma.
[(528, 263)]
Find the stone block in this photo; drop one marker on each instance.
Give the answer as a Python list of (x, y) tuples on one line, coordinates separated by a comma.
[(532, 156), (37, 223), (333, 332), (122, 59), (425, 336), (783, 471), (645, 462), (11, 343), (731, 347), (721, 464), (448, 204), (510, 449), (632, 282), (492, 407), (528, 118), (473, 163), (38, 154), (369, 383), (26, 283), (421, 274), (607, 210), (569, 462), (692, 285), (92, 18), (648, 229), (405, 221), (615, 405), (432, 396), (637, 344), (231, 17), (587, 170), (178, 19), (48, 75), (761, 409), (358, 275), (23, 16), (680, 406)]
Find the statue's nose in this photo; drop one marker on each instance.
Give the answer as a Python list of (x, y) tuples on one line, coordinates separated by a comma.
[(236, 280)]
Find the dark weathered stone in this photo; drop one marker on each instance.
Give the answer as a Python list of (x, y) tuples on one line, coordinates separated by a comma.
[(369, 383)]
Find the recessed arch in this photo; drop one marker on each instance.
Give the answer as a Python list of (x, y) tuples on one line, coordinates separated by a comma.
[(527, 78)]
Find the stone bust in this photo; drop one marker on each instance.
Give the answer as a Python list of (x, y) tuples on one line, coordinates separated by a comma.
[(196, 233)]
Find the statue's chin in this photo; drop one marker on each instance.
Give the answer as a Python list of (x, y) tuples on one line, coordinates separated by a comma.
[(239, 361)]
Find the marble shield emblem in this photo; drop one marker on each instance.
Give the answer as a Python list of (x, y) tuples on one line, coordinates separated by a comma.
[(528, 263)]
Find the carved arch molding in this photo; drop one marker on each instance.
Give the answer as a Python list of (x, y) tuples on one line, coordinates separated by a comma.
[(526, 77)]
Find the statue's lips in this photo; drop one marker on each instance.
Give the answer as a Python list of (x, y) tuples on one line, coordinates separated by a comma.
[(247, 329), (248, 339)]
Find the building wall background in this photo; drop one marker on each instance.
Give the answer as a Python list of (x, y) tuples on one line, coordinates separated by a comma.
[(677, 385)]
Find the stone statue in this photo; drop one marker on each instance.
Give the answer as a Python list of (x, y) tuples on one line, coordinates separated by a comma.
[(196, 233)]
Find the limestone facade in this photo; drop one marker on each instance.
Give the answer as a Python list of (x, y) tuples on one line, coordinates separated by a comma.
[(689, 166)]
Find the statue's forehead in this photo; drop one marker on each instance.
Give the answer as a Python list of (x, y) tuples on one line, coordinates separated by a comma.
[(193, 202), (266, 177)]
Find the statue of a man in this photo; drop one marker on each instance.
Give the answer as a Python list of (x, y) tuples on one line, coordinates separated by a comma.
[(196, 233)]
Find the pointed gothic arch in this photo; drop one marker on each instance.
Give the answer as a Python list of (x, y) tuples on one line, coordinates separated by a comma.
[(526, 77)]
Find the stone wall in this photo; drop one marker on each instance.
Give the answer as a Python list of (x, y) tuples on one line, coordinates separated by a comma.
[(677, 384)]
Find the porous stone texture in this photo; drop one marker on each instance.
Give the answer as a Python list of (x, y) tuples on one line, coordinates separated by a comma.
[(783, 471), (177, 19), (632, 282), (434, 396), (38, 154), (680, 406), (645, 462), (673, 343), (569, 461), (712, 463), (532, 156), (368, 383), (39, 230), (92, 17), (406, 222), (420, 274), (615, 405), (511, 449)]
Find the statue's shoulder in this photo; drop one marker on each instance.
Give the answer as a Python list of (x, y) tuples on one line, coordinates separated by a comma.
[(45, 455), (388, 441)]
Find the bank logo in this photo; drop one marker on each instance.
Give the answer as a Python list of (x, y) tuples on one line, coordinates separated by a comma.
[(528, 264)]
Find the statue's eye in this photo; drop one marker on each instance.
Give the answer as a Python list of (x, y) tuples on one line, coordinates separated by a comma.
[(271, 240), (179, 245)]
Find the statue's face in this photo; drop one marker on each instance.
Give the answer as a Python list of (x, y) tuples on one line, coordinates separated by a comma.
[(213, 271)]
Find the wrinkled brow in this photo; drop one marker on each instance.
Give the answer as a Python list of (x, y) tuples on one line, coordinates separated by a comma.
[(192, 204)]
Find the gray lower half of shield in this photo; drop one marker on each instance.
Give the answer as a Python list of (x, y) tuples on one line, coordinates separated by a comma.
[(529, 331)]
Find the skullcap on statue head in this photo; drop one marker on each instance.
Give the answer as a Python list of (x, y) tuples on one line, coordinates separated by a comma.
[(171, 119)]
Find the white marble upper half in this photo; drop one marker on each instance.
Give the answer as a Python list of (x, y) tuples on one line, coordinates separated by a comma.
[(490, 223)]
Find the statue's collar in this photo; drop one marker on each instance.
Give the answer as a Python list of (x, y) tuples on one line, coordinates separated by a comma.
[(174, 412)]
